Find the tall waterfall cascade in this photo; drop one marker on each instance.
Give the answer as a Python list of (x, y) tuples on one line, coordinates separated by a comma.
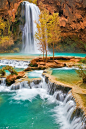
[(29, 43)]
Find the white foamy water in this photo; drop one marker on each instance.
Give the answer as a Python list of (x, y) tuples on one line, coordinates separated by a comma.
[(64, 103), (30, 44), (15, 63), (35, 73)]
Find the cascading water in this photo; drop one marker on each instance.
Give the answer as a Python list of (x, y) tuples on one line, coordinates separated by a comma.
[(31, 16), (15, 63), (64, 112)]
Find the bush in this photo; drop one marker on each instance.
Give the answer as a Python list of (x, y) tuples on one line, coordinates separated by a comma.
[(82, 73), (10, 69), (2, 72), (83, 61), (33, 65)]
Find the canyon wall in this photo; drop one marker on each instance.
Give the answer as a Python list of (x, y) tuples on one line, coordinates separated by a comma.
[(72, 15), (9, 8)]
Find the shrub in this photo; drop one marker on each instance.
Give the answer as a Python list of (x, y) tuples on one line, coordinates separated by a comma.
[(2, 72), (10, 69), (83, 61), (82, 73), (33, 65)]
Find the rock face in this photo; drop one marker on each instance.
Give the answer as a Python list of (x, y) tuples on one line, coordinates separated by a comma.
[(72, 15), (72, 12), (9, 7)]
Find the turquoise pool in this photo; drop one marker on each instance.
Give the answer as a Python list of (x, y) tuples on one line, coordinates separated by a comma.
[(65, 74), (50, 54)]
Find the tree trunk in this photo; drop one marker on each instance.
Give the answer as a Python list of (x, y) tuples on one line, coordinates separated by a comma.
[(46, 51), (84, 80), (53, 51), (46, 56), (43, 53)]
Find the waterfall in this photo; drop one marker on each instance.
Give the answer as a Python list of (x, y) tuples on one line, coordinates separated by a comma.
[(29, 44)]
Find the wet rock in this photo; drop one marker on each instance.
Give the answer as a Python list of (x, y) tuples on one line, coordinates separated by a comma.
[(35, 68), (37, 81)]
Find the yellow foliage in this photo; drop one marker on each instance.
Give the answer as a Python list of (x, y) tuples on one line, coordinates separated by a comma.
[(2, 24), (41, 34), (7, 41), (48, 29), (53, 28), (4, 39), (32, 1)]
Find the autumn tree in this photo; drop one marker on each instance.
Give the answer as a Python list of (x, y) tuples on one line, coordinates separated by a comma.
[(53, 29), (41, 34), (48, 29)]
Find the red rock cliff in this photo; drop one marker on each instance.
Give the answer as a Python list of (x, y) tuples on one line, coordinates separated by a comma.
[(9, 7), (72, 14)]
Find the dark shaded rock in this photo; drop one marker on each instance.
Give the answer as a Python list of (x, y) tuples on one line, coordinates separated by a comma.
[(36, 82)]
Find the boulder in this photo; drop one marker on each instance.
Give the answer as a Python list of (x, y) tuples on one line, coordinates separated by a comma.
[(11, 78)]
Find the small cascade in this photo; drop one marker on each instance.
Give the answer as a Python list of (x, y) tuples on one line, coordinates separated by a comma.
[(15, 63), (3, 81), (29, 44), (59, 95), (36, 84), (74, 116), (20, 85)]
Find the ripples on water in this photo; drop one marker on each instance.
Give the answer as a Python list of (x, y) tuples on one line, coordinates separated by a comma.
[(34, 108)]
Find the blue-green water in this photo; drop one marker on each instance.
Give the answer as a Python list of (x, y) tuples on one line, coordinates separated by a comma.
[(68, 75), (30, 109), (34, 108), (49, 54), (35, 74)]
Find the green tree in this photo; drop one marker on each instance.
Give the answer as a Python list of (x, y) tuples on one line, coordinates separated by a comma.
[(53, 30)]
